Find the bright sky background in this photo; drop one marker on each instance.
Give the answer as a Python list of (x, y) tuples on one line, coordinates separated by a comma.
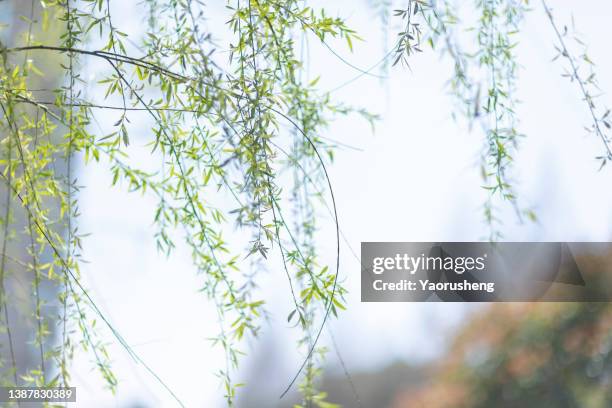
[(415, 179)]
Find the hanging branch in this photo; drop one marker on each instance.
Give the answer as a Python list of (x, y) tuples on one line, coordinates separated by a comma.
[(587, 84)]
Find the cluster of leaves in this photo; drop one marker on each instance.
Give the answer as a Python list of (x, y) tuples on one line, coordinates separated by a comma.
[(34, 140), (219, 130), (483, 83), (409, 39), (498, 24)]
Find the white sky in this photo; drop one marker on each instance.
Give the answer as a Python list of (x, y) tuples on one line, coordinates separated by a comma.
[(415, 180)]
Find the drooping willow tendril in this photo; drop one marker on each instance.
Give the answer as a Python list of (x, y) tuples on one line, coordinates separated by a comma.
[(587, 83), (213, 127)]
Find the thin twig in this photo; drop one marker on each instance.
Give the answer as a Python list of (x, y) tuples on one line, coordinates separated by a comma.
[(587, 96)]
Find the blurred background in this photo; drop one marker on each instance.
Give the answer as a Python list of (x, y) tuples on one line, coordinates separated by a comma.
[(415, 177)]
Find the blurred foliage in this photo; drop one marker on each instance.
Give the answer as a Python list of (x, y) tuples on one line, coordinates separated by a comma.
[(526, 355)]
